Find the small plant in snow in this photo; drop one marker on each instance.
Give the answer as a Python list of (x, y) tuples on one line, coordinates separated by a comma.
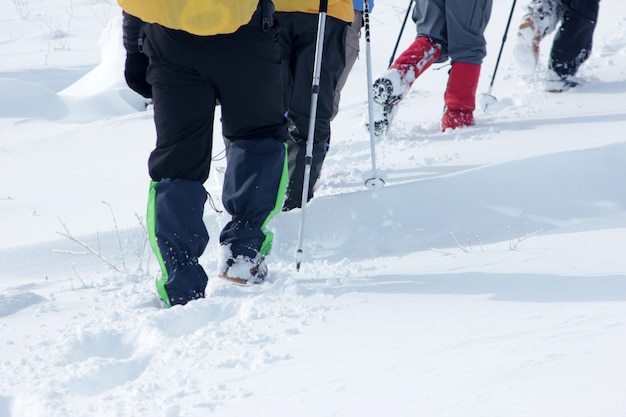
[(103, 15), (70, 9), (514, 242), (465, 248), (22, 7), (57, 36), (97, 251), (79, 277)]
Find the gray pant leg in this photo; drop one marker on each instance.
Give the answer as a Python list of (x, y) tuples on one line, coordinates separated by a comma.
[(353, 35), (459, 25), (430, 19)]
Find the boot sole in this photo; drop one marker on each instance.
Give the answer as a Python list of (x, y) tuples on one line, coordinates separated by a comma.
[(240, 281)]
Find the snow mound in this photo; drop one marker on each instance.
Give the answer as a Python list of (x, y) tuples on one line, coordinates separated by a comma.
[(24, 99)]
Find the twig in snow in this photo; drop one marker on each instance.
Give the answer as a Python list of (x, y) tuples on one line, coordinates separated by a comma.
[(22, 8), (97, 254), (464, 249), (514, 243), (117, 233), (145, 245), (78, 276)]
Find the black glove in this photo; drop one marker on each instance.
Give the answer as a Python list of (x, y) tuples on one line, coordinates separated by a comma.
[(133, 30), (135, 73)]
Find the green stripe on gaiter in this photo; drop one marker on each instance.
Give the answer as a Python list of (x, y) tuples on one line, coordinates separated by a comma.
[(151, 224), (280, 198)]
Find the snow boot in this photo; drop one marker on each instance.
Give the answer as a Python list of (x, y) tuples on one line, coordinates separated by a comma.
[(460, 96), (390, 88), (244, 270), (556, 83), (540, 20)]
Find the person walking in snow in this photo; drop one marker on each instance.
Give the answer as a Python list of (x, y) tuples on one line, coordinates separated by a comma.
[(445, 29), (200, 52), (353, 35), (298, 20), (571, 45)]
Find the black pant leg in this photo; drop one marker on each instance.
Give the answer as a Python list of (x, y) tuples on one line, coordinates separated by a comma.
[(573, 40), (298, 44), (184, 105)]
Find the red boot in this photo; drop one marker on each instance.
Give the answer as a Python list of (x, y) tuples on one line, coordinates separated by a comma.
[(416, 59), (390, 88), (460, 96)]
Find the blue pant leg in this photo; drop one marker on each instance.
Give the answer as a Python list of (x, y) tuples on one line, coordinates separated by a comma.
[(253, 192), (178, 237)]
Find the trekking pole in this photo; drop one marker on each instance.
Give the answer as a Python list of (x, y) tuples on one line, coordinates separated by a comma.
[(308, 159), (487, 98), (395, 48), (375, 181)]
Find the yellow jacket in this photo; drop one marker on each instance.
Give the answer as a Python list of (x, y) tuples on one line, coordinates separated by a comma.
[(341, 9), (200, 17)]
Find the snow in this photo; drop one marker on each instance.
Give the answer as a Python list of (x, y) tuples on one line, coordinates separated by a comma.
[(487, 277)]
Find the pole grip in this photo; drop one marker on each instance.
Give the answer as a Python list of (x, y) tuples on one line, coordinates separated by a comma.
[(323, 6)]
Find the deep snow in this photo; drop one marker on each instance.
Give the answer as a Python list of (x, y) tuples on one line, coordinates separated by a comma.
[(487, 278)]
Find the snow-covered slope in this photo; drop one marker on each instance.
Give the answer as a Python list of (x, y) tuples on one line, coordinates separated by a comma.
[(486, 278)]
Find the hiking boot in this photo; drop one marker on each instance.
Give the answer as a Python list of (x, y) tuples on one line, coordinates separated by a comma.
[(555, 83), (243, 270), (460, 96), (391, 87), (526, 50), (541, 19), (453, 119), (387, 93)]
